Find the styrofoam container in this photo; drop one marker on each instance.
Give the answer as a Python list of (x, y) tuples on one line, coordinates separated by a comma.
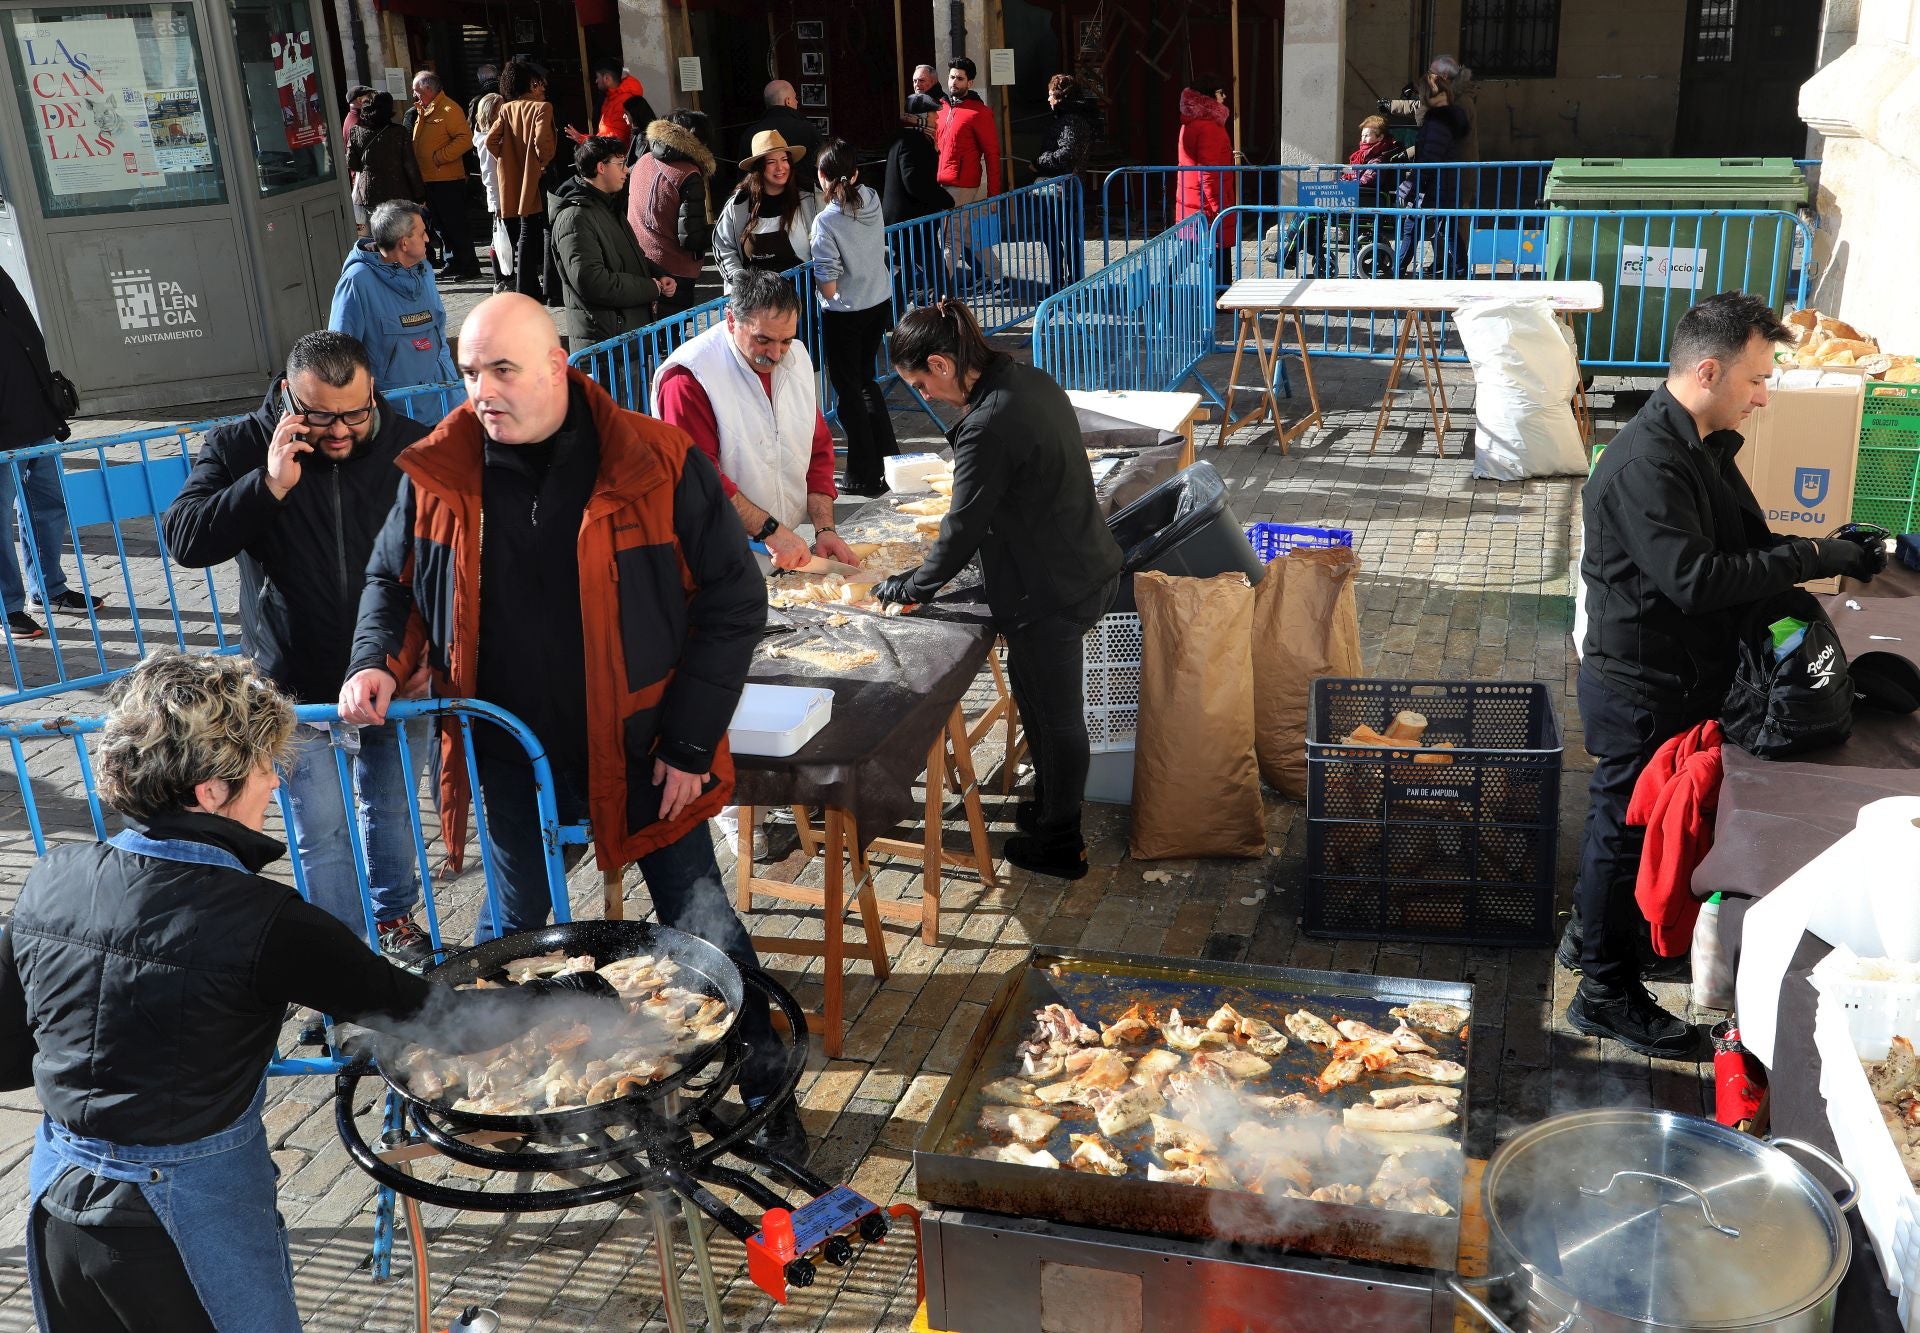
[(776, 720), (1845, 1035), (908, 473)]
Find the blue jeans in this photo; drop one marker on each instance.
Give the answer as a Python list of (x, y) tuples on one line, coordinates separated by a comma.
[(683, 877), (44, 509), (383, 794)]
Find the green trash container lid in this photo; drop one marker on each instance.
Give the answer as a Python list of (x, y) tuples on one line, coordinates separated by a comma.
[(1683, 182)]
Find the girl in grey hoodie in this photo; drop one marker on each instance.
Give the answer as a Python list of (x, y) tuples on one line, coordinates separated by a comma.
[(851, 277)]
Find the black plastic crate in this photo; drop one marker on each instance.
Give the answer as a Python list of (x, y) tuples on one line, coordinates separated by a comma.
[(1455, 846)]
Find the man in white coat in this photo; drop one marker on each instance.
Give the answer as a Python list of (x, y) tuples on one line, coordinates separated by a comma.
[(745, 391)]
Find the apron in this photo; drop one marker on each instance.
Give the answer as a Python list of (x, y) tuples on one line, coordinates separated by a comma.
[(214, 1197)]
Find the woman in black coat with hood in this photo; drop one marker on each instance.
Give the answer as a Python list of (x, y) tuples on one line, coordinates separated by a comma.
[(380, 151)]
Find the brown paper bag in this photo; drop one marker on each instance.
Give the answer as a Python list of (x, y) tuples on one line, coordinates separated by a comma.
[(1305, 624), (1196, 786)]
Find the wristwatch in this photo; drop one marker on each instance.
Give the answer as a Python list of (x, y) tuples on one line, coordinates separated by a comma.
[(767, 529)]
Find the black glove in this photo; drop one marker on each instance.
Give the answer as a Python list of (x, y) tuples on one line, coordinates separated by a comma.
[(1870, 537), (896, 590), (1837, 555)]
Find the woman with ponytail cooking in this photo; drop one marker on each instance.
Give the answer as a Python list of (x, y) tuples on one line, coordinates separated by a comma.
[(1023, 500)]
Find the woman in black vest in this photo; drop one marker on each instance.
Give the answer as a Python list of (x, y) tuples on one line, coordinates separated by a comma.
[(1023, 499), (143, 981)]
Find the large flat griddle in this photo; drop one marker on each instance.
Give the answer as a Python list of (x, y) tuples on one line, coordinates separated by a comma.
[(1098, 986)]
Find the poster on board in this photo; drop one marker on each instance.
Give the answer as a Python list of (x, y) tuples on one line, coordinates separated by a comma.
[(179, 129), (87, 99), (299, 94)]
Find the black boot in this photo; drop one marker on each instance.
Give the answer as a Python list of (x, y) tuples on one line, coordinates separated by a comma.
[(1061, 853), (1632, 1017), (1026, 816), (1568, 954)]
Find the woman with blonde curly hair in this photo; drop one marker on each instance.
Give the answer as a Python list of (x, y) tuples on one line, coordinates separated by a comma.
[(143, 981)]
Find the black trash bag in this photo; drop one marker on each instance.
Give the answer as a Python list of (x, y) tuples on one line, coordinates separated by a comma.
[(1777, 709)]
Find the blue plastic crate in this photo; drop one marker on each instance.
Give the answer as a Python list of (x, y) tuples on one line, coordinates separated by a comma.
[(1270, 541)]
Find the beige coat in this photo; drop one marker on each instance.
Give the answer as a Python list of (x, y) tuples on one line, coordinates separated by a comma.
[(523, 140)]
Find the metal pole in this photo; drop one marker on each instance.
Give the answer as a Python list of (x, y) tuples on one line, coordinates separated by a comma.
[(674, 1311), (703, 1265), (1239, 111), (899, 53)]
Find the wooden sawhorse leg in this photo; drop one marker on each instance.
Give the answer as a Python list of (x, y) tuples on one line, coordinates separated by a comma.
[(1001, 710), (1393, 376), (1266, 407), (1430, 370), (1312, 418), (950, 747), (840, 840)]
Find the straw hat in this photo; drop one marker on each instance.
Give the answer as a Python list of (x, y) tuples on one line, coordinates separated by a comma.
[(771, 141)]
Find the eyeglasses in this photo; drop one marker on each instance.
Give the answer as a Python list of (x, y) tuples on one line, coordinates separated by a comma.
[(322, 420)]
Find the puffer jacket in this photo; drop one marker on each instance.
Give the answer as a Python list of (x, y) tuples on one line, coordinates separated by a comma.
[(396, 313), (382, 162), (1077, 123), (607, 281), (1204, 142), (667, 199), (303, 560), (967, 137), (671, 600)]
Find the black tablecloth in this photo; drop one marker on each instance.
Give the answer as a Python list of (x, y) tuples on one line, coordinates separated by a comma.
[(886, 713)]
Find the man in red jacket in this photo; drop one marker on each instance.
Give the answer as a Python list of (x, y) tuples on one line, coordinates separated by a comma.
[(969, 145)]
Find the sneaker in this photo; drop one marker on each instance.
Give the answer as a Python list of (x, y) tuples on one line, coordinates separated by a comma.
[(1634, 1019), (1060, 855), (405, 943), (71, 600), (24, 626)]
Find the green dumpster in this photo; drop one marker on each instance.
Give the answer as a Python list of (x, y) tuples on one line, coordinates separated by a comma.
[(1653, 268)]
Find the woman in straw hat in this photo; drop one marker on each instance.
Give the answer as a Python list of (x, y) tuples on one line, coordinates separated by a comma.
[(767, 223)]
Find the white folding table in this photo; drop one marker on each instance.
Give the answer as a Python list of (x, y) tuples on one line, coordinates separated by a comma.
[(1415, 300)]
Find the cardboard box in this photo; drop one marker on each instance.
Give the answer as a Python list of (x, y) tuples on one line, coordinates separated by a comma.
[(1801, 450)]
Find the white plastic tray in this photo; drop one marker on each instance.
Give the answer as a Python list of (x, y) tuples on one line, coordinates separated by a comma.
[(776, 720), (908, 473), (1844, 1035)]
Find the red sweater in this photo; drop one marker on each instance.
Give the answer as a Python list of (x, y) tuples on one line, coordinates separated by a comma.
[(684, 403), (1675, 799)]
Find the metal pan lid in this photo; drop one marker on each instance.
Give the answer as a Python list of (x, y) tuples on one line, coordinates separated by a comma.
[(1667, 1219)]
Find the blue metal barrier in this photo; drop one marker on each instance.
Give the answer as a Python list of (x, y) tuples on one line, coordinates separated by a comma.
[(123, 484), (1142, 322), (48, 736), (1138, 203), (1003, 256), (1666, 258)]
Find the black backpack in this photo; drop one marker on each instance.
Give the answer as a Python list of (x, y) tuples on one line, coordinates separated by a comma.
[(1801, 702)]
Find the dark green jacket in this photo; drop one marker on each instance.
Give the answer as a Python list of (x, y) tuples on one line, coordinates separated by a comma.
[(608, 283)]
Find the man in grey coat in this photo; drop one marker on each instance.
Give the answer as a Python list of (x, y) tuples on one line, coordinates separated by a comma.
[(610, 285)]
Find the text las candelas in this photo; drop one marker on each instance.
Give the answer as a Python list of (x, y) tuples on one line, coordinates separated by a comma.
[(66, 93)]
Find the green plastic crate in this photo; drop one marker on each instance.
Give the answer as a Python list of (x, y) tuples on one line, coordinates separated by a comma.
[(1886, 483)]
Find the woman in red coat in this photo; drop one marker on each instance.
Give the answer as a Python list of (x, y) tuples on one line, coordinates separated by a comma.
[(1204, 143)]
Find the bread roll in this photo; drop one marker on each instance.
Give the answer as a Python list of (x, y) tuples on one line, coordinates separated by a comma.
[(1407, 728)]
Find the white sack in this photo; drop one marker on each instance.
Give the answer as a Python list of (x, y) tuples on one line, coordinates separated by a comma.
[(1524, 373)]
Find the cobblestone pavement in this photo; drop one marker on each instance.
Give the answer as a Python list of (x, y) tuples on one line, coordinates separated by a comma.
[(1462, 579)]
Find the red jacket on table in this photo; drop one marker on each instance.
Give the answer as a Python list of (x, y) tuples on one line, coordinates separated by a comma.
[(1675, 799), (684, 403), (1204, 143), (967, 137)]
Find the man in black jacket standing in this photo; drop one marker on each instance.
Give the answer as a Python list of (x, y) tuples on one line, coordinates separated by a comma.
[(783, 114), (296, 493), (1676, 548), (33, 415), (912, 189)]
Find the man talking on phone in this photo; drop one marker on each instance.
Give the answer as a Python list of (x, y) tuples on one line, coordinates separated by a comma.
[(296, 493)]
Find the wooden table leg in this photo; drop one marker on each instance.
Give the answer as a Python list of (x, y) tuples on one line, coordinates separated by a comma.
[(931, 846), (1313, 417), (803, 826), (970, 794), (743, 859), (1267, 406), (1435, 342), (1228, 424), (1393, 377), (1269, 355), (869, 903), (1428, 373), (833, 1008), (613, 883)]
